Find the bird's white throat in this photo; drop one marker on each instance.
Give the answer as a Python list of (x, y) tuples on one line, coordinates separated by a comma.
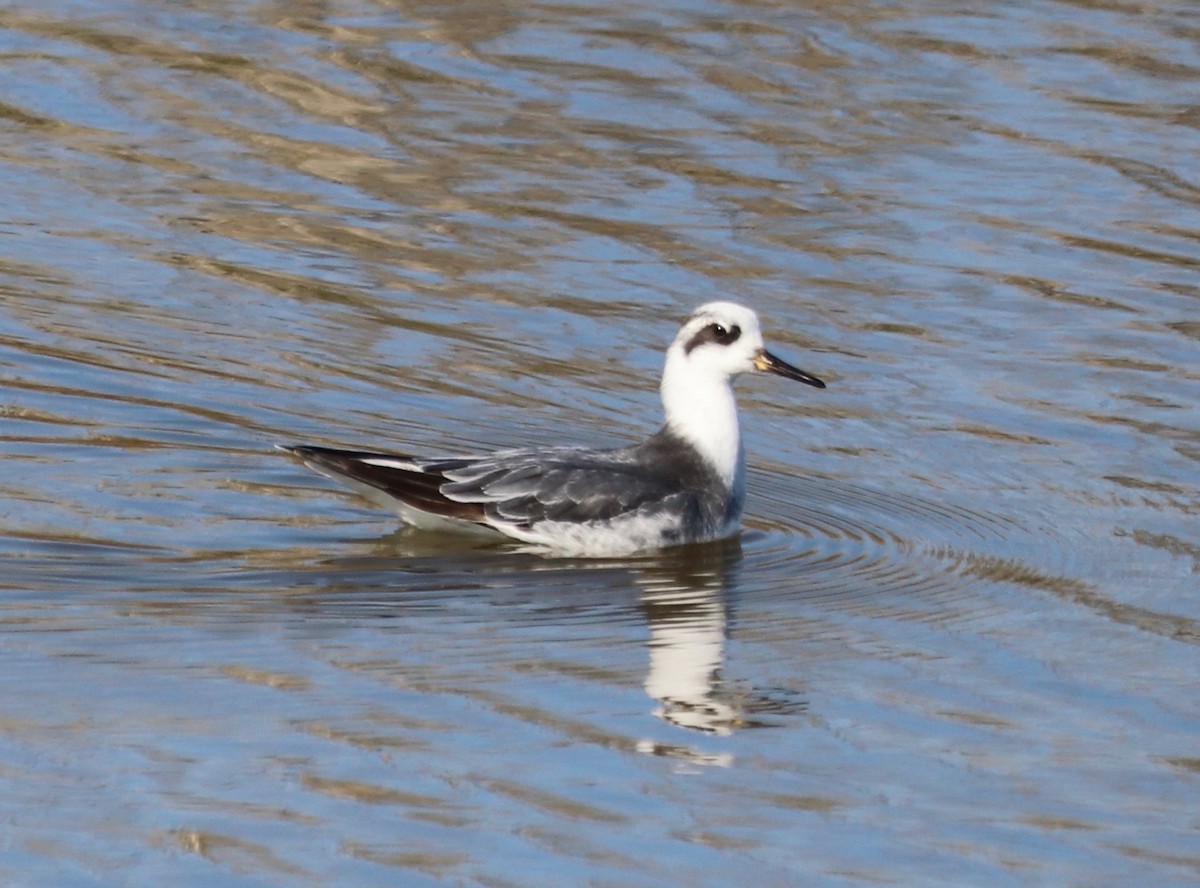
[(700, 408)]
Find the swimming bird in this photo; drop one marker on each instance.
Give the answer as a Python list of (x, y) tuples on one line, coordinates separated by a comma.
[(686, 483)]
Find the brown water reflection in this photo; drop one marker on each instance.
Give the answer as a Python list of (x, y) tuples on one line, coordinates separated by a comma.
[(957, 642)]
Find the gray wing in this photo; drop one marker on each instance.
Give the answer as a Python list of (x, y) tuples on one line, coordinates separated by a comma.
[(526, 487)]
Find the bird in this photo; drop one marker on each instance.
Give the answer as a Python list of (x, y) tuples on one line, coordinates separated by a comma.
[(684, 484)]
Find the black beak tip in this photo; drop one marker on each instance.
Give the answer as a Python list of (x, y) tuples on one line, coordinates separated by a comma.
[(773, 364)]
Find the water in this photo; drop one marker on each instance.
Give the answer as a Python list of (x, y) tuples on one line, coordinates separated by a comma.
[(957, 643)]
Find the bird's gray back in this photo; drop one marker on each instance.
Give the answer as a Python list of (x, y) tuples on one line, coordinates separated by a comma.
[(662, 476)]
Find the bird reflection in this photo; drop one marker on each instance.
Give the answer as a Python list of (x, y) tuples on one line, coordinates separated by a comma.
[(684, 600), (684, 595)]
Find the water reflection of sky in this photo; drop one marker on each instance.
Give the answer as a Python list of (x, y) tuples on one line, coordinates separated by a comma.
[(956, 641)]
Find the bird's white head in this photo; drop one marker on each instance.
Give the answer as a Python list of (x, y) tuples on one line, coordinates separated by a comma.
[(719, 342), (720, 339)]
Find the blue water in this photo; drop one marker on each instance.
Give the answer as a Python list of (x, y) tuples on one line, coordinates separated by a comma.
[(956, 643)]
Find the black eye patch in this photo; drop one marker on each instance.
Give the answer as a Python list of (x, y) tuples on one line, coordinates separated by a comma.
[(714, 332)]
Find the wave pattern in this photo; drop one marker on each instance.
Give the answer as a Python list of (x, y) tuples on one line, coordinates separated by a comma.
[(460, 226)]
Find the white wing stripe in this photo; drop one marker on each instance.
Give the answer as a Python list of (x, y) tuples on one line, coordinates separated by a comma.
[(404, 465)]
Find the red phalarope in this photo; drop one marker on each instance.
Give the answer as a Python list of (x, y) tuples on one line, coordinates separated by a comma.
[(684, 484)]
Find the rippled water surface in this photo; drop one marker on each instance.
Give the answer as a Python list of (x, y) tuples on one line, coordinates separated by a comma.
[(957, 643)]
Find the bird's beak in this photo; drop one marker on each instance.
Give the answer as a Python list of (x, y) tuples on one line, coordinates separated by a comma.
[(768, 363)]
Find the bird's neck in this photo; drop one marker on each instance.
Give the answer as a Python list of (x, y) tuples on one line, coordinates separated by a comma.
[(702, 411)]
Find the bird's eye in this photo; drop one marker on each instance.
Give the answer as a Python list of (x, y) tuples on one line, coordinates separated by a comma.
[(713, 333), (724, 335)]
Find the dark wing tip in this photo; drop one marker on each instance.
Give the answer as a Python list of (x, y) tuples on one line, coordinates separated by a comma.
[(419, 489)]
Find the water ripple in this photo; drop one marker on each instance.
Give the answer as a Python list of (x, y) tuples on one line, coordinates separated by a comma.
[(228, 225)]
